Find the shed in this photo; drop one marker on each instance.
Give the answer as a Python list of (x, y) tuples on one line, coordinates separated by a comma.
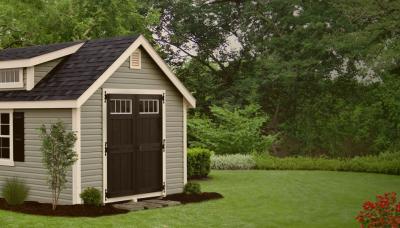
[(125, 105)]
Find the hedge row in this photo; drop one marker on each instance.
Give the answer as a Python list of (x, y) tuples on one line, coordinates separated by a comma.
[(388, 163)]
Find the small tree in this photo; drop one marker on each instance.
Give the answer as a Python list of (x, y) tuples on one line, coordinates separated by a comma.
[(58, 156)]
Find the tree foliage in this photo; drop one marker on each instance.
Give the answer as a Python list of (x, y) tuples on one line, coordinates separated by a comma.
[(58, 156), (231, 131), (325, 72), (24, 23)]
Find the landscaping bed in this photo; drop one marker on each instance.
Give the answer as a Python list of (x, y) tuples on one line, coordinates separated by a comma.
[(36, 208), (193, 198)]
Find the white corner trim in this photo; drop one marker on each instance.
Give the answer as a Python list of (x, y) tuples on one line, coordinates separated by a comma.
[(184, 141), (41, 58), (150, 50), (30, 78), (38, 104), (76, 168)]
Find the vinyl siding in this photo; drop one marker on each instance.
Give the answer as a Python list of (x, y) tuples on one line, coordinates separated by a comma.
[(149, 77), (43, 69), (32, 170)]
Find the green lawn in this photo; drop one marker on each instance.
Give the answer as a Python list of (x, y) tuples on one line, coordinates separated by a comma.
[(252, 199)]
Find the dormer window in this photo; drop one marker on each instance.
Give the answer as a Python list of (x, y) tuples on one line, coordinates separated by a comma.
[(135, 61), (11, 78)]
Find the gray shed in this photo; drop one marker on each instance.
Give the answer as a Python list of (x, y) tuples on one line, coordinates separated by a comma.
[(126, 106)]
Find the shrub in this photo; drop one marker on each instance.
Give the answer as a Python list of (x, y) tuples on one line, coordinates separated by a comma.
[(58, 156), (192, 188), (91, 196), (231, 130), (385, 212), (15, 191), (198, 162), (232, 161), (387, 163)]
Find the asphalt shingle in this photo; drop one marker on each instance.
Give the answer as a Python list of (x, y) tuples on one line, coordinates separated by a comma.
[(76, 73)]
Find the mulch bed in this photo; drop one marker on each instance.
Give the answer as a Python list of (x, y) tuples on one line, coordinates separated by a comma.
[(193, 198), (35, 208)]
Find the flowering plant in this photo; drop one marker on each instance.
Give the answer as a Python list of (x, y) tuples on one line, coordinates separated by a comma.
[(385, 212)]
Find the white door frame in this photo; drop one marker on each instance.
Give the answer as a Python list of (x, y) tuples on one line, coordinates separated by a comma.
[(133, 91)]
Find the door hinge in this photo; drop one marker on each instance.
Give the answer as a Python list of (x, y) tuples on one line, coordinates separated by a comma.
[(163, 145), (163, 186), (105, 149), (105, 193), (163, 98), (106, 96)]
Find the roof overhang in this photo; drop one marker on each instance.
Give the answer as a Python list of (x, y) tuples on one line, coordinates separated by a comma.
[(41, 58), (38, 104), (140, 41)]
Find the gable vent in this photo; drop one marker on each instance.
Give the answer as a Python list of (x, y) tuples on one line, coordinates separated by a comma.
[(136, 60)]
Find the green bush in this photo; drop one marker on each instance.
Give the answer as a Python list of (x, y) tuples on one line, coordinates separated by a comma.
[(231, 130), (198, 162), (91, 196), (15, 191), (192, 188), (387, 163), (232, 161)]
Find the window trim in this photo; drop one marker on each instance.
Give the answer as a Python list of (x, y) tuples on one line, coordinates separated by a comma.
[(9, 161), (14, 85), (147, 100), (120, 112)]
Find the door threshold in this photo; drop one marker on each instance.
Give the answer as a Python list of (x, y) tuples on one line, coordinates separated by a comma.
[(134, 198)]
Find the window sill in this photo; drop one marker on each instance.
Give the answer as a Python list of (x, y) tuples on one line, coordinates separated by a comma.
[(6, 162)]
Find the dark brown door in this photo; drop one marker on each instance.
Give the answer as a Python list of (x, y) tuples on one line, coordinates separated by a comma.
[(134, 144)]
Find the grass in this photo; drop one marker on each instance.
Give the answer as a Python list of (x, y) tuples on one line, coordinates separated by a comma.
[(255, 198)]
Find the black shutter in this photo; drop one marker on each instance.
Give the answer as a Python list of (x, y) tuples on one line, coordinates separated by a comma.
[(19, 142)]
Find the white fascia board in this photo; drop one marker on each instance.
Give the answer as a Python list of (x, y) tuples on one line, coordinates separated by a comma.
[(38, 104), (41, 58), (140, 41), (164, 67)]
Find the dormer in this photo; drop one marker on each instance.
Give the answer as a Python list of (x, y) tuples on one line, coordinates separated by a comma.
[(23, 68)]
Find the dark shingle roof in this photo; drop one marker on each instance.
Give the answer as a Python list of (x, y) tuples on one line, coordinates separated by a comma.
[(76, 73), (30, 52)]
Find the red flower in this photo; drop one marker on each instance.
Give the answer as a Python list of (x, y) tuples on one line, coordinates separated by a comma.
[(369, 205), (383, 203), (385, 212)]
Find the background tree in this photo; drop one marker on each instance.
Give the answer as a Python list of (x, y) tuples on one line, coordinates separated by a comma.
[(325, 72), (58, 156)]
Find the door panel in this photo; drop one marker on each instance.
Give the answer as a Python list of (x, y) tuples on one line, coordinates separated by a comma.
[(149, 139), (134, 144)]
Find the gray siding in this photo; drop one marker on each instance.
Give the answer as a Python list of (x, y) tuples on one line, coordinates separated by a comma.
[(43, 69), (149, 77), (32, 170)]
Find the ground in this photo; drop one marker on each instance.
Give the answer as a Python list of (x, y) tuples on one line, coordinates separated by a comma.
[(252, 199)]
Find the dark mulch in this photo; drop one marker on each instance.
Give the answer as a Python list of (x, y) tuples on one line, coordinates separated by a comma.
[(35, 208), (193, 198)]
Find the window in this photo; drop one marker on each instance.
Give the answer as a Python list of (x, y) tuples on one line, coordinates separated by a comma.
[(11, 78), (6, 138), (135, 61), (148, 106), (121, 106)]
